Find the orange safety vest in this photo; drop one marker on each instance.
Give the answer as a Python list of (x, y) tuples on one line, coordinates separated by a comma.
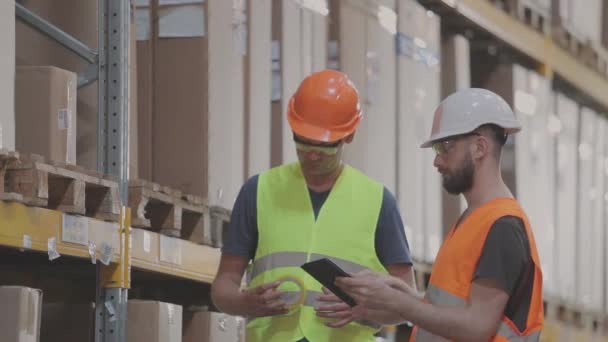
[(454, 268)]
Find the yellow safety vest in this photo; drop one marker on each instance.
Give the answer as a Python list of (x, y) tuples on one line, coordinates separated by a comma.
[(289, 236)]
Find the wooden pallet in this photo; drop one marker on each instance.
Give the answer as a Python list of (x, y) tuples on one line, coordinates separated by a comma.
[(6, 158), (219, 222), (576, 317), (167, 210), (67, 188), (527, 13), (594, 57)]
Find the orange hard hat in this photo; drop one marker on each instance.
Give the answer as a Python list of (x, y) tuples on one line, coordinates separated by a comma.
[(325, 107)]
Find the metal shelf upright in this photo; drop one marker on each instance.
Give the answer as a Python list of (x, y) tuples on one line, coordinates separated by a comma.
[(108, 65)]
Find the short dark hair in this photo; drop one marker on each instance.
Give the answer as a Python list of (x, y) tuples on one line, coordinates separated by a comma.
[(497, 134)]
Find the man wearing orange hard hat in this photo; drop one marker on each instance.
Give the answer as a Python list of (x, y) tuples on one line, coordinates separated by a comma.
[(315, 208)]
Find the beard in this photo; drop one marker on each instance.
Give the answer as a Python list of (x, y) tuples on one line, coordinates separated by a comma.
[(460, 180)]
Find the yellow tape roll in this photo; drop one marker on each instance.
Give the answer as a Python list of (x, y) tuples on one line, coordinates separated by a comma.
[(302, 290)]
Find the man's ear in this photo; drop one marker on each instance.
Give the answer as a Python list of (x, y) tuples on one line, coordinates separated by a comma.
[(349, 139), (481, 147)]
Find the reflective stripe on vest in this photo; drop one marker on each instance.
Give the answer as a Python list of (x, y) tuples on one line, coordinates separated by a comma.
[(296, 259), (311, 300), (438, 296)]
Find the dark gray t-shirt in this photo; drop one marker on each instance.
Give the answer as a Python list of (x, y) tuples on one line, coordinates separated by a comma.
[(242, 236), (506, 259)]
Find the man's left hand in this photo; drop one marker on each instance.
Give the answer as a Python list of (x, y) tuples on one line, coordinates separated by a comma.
[(333, 307)]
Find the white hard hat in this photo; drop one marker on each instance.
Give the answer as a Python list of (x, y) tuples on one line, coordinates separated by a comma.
[(468, 109)]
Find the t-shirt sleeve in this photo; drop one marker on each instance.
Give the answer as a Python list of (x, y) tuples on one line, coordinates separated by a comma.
[(505, 254), (241, 238), (391, 243)]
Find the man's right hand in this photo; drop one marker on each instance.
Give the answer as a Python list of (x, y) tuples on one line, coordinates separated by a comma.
[(264, 300)]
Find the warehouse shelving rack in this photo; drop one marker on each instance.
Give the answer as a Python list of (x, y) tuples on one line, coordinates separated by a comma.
[(551, 60), (35, 229), (30, 228)]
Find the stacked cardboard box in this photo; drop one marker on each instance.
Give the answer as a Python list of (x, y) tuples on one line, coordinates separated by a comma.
[(208, 326), (45, 107), (152, 321), (35, 49), (7, 70), (20, 314), (191, 96)]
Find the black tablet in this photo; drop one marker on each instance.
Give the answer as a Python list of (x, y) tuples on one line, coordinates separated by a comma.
[(325, 272)]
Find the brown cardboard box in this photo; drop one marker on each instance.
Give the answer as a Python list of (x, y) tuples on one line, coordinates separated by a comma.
[(187, 127), (20, 315), (207, 326), (32, 48), (605, 24), (151, 321), (172, 96), (67, 322), (7, 70), (45, 107)]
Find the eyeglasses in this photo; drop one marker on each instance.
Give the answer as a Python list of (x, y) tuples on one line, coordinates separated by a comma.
[(444, 146), (325, 148)]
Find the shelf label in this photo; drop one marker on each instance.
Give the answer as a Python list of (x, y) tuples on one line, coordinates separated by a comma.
[(92, 252), (106, 253), (75, 230), (170, 250), (27, 241), (147, 242), (111, 311), (52, 249)]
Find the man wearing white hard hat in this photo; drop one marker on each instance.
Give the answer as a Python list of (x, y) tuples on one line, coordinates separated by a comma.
[(486, 283)]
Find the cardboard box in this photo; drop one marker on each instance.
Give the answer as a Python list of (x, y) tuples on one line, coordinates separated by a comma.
[(172, 97), (20, 315), (207, 326), (67, 322), (187, 127), (33, 48), (152, 321), (7, 70), (45, 107), (605, 24)]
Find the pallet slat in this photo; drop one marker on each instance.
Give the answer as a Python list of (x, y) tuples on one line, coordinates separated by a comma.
[(68, 188), (169, 211)]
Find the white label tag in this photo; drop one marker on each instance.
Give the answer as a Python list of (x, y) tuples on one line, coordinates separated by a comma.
[(106, 253), (179, 2), (92, 252), (170, 315), (52, 249), (64, 119), (147, 242), (181, 22), (142, 21), (111, 311), (27, 241), (75, 229), (170, 250)]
